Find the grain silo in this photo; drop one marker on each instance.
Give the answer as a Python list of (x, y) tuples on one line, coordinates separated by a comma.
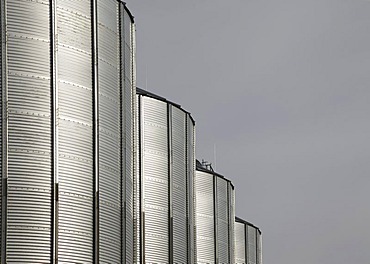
[(248, 243), (67, 97), (215, 212), (164, 199)]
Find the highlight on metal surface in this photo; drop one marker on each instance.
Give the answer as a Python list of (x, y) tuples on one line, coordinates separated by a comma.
[(93, 169), (248, 243), (166, 176), (67, 131), (215, 213)]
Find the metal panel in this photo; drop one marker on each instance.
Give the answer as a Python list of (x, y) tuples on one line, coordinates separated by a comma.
[(205, 229), (128, 86), (52, 108), (110, 229), (222, 220), (3, 87), (259, 248), (190, 190), (138, 239), (75, 131), (29, 156), (240, 243), (180, 230), (252, 258), (155, 180), (231, 193)]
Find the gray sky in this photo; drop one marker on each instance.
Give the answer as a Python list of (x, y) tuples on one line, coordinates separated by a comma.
[(282, 88)]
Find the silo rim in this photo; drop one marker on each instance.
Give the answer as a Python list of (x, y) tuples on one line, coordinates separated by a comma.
[(143, 92), (200, 168), (128, 11), (239, 220)]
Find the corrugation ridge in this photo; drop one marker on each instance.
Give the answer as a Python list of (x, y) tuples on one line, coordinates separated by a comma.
[(74, 67), (204, 217), (27, 12), (29, 196), (29, 56), (109, 138), (75, 131), (251, 245)]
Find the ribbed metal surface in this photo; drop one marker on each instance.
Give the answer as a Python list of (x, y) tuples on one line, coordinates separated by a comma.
[(166, 172), (248, 243), (252, 245), (63, 133), (29, 156), (259, 248), (205, 218), (110, 229), (223, 221), (155, 180), (75, 131), (231, 223), (240, 243), (128, 82), (179, 186), (2, 50), (138, 230), (214, 218), (190, 193)]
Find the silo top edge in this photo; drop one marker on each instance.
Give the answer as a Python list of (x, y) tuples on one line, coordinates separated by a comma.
[(239, 220), (128, 11), (199, 167), (143, 92)]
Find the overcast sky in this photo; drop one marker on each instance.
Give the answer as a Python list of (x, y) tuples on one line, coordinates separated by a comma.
[(281, 88)]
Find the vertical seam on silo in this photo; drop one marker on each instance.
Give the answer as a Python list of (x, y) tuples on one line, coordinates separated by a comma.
[(133, 116), (123, 132), (246, 242), (215, 220), (256, 246), (193, 162), (133, 120), (140, 177), (228, 221), (95, 133), (170, 160), (55, 189), (4, 179), (188, 257)]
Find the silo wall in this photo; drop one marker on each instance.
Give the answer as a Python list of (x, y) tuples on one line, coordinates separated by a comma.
[(67, 83), (165, 175), (215, 212), (248, 243)]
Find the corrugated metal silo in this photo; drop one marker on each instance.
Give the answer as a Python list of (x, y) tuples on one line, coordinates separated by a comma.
[(67, 86), (248, 243), (166, 172), (215, 212)]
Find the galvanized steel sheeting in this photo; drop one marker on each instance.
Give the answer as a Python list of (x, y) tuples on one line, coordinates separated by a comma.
[(29, 121), (166, 149), (51, 89), (110, 208), (248, 243), (205, 217), (155, 185), (128, 97), (75, 117), (214, 218), (240, 243)]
